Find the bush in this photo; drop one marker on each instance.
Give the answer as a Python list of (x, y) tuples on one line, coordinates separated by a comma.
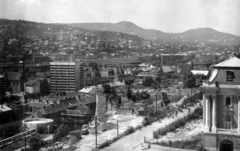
[(35, 142), (61, 132), (196, 114), (186, 144), (27, 149)]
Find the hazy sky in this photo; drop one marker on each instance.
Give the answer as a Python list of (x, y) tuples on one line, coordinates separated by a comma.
[(164, 15)]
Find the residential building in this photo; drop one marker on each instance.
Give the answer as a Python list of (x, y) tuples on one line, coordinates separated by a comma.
[(66, 76), (32, 86), (14, 81), (174, 57), (221, 107)]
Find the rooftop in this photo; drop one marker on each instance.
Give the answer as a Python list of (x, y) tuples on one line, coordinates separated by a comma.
[(4, 108), (232, 62), (115, 61)]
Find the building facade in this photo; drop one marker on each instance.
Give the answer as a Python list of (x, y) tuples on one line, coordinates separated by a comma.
[(221, 107), (2, 85), (66, 76)]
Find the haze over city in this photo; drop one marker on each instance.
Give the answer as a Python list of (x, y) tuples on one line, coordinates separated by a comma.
[(165, 15)]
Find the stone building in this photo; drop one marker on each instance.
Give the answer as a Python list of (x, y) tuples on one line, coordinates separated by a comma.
[(221, 107)]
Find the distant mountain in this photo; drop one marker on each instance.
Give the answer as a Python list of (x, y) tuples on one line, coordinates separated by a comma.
[(124, 27), (208, 34), (199, 34)]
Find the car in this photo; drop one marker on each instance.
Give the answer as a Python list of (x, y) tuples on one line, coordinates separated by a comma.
[(85, 129)]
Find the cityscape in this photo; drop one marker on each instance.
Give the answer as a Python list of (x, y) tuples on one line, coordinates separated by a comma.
[(119, 75)]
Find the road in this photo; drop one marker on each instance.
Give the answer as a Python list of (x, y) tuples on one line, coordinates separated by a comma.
[(134, 142)]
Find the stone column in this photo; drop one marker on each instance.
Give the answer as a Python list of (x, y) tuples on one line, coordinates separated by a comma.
[(214, 114), (207, 113), (238, 114)]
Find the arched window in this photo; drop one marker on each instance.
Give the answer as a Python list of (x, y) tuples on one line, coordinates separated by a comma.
[(228, 101)]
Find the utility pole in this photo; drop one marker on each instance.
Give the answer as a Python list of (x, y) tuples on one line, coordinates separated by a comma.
[(117, 127), (25, 142), (96, 130), (191, 94), (156, 103)]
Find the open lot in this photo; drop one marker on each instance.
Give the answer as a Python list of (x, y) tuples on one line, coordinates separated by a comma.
[(124, 121)]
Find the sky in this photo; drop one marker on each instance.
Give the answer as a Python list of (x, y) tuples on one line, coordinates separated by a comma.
[(165, 15)]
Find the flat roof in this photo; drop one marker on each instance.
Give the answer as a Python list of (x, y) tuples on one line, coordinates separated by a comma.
[(62, 63), (116, 61)]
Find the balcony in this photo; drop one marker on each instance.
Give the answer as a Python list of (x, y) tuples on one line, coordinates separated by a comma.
[(227, 131)]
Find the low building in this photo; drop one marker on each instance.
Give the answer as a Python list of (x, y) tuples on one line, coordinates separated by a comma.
[(5, 114), (32, 86)]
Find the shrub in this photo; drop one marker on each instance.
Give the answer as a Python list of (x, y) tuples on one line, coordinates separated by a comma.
[(196, 114), (35, 142), (186, 144)]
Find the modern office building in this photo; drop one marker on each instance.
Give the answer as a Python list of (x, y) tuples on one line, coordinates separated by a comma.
[(66, 76), (221, 107)]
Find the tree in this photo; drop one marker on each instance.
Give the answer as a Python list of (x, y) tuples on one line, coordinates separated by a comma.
[(165, 98), (94, 65), (129, 93), (2, 100), (107, 88), (35, 142), (148, 81), (189, 80), (158, 78), (62, 131), (119, 101)]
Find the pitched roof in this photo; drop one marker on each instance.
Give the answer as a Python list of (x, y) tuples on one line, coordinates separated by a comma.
[(31, 82), (4, 108), (53, 109), (232, 62), (40, 105)]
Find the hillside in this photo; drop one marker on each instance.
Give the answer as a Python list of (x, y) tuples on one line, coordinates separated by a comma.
[(193, 35), (124, 27), (208, 34)]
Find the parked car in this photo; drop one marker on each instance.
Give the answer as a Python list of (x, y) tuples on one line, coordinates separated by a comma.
[(85, 129)]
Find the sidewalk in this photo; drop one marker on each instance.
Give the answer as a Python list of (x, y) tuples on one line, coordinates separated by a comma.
[(133, 141)]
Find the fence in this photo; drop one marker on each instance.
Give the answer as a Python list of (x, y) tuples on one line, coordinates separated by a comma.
[(17, 137)]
